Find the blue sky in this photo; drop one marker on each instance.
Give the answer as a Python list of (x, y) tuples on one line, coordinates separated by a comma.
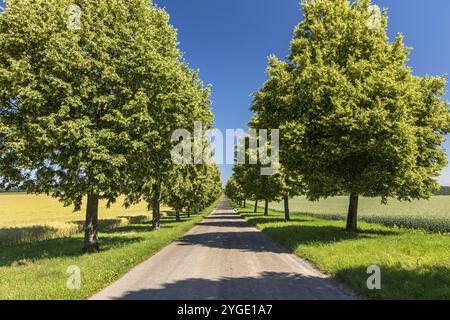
[(229, 41)]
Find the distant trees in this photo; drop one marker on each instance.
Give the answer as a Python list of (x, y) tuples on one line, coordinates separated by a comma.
[(234, 191), (88, 112), (192, 187), (353, 118), (443, 191)]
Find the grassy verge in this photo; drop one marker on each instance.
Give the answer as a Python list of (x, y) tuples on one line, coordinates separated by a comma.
[(430, 215), (414, 264), (38, 270)]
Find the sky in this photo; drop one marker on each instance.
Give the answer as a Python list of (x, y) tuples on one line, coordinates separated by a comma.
[(229, 42)]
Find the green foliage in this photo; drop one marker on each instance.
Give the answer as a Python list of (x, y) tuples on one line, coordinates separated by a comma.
[(443, 191), (91, 110), (192, 187), (362, 123), (353, 117), (78, 103), (234, 191)]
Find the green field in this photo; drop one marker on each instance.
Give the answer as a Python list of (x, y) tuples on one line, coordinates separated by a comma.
[(414, 264), (431, 215), (39, 270), (28, 218)]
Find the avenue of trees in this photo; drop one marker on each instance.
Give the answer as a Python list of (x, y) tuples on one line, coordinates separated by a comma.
[(88, 113), (353, 118)]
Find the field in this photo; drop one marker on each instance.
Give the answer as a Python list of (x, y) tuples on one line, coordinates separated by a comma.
[(28, 218), (414, 264), (39, 270), (431, 215)]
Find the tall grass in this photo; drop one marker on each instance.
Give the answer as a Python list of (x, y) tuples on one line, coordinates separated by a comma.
[(29, 234)]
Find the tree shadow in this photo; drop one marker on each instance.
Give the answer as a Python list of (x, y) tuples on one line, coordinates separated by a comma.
[(108, 224), (134, 228), (242, 240), (421, 283), (291, 234), (62, 247), (226, 224), (228, 217), (266, 286), (261, 219)]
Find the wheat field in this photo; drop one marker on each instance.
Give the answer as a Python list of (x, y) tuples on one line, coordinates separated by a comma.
[(27, 218)]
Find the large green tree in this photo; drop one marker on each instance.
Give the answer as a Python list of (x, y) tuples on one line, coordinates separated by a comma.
[(271, 109), (357, 121), (187, 102), (80, 105)]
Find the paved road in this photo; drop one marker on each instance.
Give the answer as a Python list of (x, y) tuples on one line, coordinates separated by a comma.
[(224, 258)]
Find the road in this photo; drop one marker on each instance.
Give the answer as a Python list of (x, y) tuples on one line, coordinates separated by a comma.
[(226, 258)]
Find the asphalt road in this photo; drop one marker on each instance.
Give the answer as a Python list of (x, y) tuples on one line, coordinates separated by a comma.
[(224, 257)]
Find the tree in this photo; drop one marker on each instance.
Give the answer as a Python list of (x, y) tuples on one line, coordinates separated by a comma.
[(178, 189), (252, 183), (186, 102), (234, 191), (270, 106), (290, 185), (359, 122), (80, 106)]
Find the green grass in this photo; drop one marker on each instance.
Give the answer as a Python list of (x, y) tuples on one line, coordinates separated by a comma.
[(38, 270), (414, 264), (431, 215), (29, 218)]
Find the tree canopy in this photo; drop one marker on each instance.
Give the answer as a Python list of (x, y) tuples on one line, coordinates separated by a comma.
[(89, 111), (354, 119)]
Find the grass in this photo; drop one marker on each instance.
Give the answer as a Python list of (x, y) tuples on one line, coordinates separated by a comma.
[(414, 264), (431, 215), (28, 218), (38, 270)]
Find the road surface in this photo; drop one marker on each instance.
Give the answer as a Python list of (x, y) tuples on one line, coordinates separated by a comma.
[(226, 258)]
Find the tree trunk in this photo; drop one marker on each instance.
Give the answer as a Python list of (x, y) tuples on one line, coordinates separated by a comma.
[(256, 206), (156, 213), (91, 225), (352, 217), (177, 215), (266, 207), (189, 212), (245, 203), (287, 216)]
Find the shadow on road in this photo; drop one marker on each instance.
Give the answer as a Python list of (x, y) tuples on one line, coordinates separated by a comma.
[(267, 286), (244, 241)]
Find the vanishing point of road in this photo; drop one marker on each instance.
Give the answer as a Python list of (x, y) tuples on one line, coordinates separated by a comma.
[(224, 258)]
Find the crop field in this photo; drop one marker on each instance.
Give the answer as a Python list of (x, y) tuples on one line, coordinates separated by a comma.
[(27, 218), (430, 215)]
